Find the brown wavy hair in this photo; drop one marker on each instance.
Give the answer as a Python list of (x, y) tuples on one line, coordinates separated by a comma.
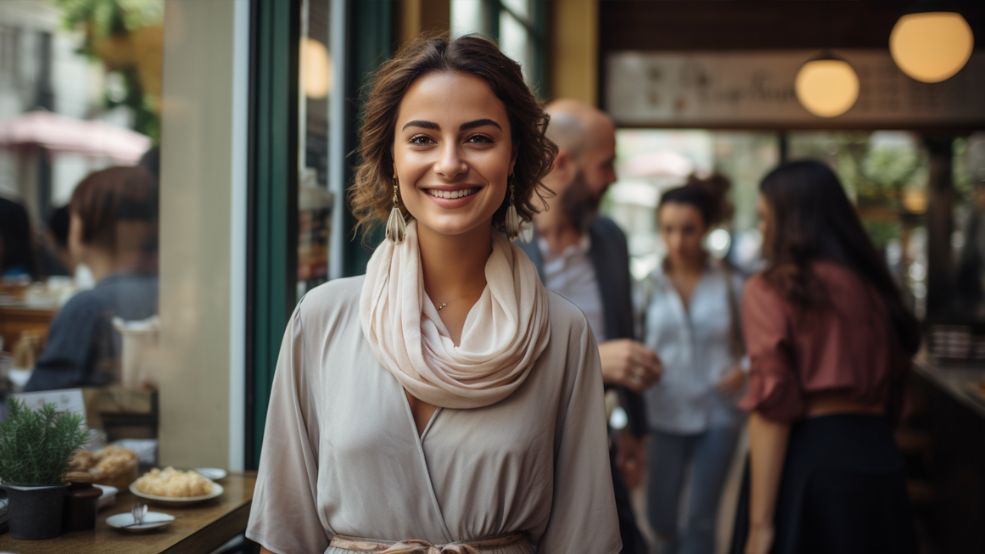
[(370, 195)]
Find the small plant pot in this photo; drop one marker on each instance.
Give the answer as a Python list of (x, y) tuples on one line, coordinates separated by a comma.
[(35, 512)]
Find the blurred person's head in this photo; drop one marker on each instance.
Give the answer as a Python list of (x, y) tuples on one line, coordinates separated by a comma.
[(805, 216), (17, 257), (684, 216), (717, 186), (113, 219), (453, 124), (585, 165)]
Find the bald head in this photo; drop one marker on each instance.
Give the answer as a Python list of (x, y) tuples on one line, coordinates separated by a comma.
[(584, 166), (576, 126)]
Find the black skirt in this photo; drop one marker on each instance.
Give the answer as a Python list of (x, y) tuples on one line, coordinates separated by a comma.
[(842, 490)]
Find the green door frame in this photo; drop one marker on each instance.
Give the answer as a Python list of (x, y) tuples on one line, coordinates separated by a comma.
[(273, 178), (371, 28), (273, 193)]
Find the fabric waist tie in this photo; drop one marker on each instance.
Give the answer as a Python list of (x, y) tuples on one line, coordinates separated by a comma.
[(417, 546)]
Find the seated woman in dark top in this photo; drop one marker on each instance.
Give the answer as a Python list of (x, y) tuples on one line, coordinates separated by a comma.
[(113, 231)]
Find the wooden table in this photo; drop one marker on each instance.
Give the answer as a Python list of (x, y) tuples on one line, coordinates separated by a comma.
[(199, 528), (18, 320)]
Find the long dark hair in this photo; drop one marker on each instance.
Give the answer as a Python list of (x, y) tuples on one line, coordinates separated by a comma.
[(369, 196), (814, 220)]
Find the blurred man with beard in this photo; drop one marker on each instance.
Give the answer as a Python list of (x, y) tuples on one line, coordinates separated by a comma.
[(584, 257)]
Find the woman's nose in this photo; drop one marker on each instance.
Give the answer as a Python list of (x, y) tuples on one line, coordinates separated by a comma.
[(450, 165)]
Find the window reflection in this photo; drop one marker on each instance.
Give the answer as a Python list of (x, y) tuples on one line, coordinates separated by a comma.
[(315, 200), (80, 89)]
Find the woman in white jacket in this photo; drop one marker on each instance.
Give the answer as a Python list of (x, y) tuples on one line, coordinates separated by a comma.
[(691, 322)]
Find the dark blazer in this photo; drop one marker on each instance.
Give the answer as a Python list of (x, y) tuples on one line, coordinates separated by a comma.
[(610, 257)]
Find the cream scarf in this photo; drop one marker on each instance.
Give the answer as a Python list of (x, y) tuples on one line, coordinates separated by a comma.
[(505, 331)]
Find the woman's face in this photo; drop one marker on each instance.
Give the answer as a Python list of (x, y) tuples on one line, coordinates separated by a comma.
[(452, 153), (682, 229), (765, 213)]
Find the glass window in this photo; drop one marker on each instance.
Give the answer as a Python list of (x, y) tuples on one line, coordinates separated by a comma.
[(315, 200), (516, 25), (650, 161), (885, 173), (80, 114)]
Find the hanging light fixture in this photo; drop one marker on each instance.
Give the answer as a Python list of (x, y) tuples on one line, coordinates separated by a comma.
[(827, 85), (931, 45), (315, 69)]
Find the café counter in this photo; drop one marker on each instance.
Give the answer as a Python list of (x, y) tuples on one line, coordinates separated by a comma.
[(198, 528), (951, 409)]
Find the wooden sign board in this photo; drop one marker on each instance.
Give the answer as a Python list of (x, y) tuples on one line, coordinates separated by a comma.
[(756, 89)]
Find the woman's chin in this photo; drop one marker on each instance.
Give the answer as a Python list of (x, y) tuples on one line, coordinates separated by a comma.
[(453, 226)]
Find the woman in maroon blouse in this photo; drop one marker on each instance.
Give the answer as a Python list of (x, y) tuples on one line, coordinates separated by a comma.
[(830, 343)]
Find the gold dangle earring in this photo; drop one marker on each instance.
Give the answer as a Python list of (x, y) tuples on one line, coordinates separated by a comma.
[(396, 225), (512, 223)]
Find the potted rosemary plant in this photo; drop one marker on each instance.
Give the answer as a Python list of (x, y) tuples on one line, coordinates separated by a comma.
[(35, 447)]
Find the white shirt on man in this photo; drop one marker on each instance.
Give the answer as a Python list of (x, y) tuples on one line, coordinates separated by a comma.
[(572, 275)]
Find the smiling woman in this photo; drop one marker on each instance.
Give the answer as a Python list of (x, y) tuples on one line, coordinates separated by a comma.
[(445, 399), (520, 117), (452, 154)]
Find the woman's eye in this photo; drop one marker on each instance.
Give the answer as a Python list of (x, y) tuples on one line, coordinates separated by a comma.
[(479, 139), (421, 140)]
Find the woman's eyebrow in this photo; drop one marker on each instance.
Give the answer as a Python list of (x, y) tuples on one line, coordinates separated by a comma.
[(479, 123), (420, 123), (464, 127)]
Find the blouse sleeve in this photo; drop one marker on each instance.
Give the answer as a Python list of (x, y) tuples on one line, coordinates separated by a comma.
[(774, 389), (284, 517), (583, 510)]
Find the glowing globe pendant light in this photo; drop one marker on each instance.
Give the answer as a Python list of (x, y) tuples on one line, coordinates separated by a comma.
[(315, 69), (827, 86), (931, 46)]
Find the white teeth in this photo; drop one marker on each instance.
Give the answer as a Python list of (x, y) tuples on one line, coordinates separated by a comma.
[(451, 194)]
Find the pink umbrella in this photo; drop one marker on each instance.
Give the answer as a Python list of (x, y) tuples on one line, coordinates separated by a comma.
[(664, 163), (60, 133)]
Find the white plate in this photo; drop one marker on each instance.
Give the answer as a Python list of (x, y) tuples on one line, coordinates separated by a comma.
[(213, 473), (177, 500), (152, 520), (108, 497)]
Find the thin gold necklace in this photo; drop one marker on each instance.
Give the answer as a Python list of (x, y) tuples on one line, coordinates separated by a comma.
[(442, 306)]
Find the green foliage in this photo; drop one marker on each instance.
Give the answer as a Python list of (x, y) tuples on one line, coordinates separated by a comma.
[(110, 17), (116, 18), (36, 445), (962, 170)]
